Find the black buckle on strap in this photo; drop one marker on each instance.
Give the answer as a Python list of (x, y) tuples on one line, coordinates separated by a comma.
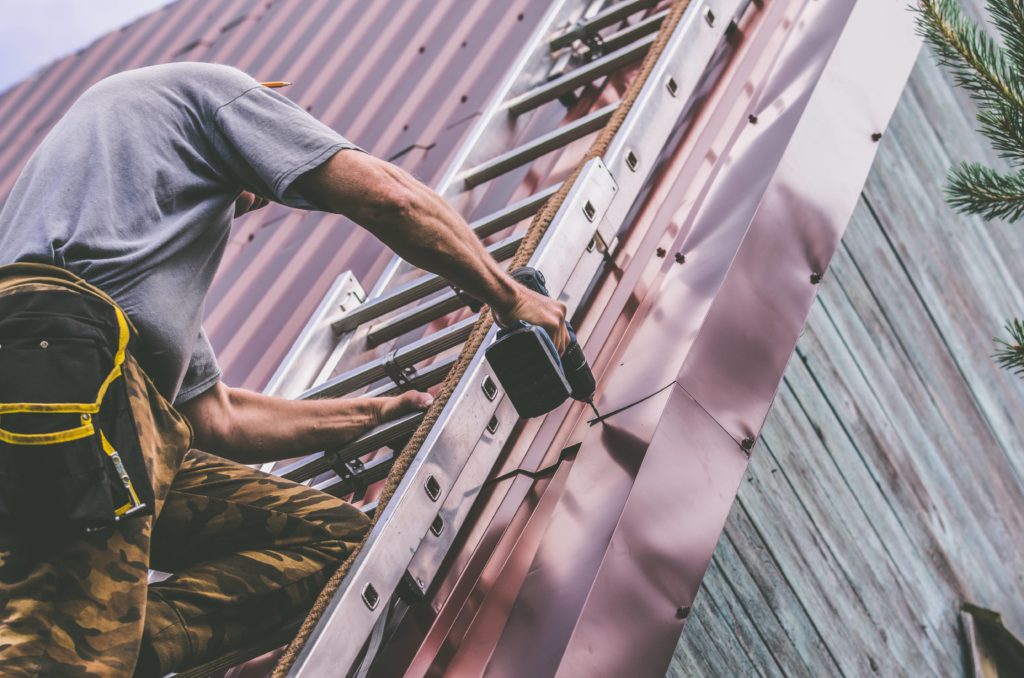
[(349, 473)]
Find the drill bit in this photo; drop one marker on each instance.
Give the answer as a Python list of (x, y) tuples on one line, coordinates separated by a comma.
[(590, 401)]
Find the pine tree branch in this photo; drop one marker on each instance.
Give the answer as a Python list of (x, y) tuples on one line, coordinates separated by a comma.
[(1010, 354), (971, 55), (976, 189), (1003, 126), (1008, 17)]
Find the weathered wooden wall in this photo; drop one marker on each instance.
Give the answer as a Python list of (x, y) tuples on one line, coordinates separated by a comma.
[(888, 485)]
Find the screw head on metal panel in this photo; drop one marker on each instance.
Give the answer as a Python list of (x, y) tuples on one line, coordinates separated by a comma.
[(660, 252), (877, 136), (44, 344), (682, 612), (752, 119), (747, 443), (680, 258), (815, 278)]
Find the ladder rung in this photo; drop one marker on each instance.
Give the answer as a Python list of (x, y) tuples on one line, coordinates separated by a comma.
[(374, 439), (364, 375), (431, 375), (380, 436), (413, 290), (514, 213), (581, 76), (543, 145), (633, 33), (602, 19), (415, 317), (375, 469), (437, 307)]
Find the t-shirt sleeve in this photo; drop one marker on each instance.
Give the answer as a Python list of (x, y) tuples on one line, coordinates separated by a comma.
[(202, 373), (268, 141)]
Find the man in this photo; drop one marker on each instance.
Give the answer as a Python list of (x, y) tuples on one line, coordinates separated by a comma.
[(133, 191)]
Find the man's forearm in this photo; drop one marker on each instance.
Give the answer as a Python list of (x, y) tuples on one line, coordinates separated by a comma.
[(252, 428), (431, 235)]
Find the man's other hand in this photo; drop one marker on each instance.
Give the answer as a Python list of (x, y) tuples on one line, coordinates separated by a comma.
[(539, 310)]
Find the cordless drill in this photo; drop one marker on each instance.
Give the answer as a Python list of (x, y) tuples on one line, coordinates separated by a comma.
[(526, 362)]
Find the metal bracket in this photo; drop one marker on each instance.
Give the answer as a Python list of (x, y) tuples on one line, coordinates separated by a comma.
[(402, 376), (349, 472)]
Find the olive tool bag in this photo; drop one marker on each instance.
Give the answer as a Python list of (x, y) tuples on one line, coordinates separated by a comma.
[(70, 456)]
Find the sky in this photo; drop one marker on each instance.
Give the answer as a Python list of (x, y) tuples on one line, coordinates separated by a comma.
[(34, 33)]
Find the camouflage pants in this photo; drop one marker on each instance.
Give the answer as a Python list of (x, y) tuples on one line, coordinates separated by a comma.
[(248, 552)]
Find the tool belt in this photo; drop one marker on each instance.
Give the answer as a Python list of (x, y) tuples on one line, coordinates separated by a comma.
[(70, 455)]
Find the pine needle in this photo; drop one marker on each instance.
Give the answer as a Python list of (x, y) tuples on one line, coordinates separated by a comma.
[(976, 189), (1011, 354)]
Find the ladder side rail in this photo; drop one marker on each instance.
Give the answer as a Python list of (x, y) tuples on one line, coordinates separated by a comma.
[(458, 435)]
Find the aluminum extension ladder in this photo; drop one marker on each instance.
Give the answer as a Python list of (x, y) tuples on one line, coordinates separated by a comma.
[(576, 43)]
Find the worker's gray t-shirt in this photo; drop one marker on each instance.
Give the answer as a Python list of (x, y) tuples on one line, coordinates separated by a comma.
[(134, 189)]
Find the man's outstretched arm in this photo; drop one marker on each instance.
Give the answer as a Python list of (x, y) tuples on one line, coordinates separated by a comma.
[(424, 230), (252, 428)]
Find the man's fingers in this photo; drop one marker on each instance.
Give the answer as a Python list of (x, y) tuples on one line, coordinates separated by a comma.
[(563, 339)]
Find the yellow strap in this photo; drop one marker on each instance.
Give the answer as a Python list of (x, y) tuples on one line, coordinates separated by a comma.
[(118, 465), (12, 438), (83, 408)]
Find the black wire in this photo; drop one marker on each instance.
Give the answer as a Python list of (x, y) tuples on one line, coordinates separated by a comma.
[(567, 453)]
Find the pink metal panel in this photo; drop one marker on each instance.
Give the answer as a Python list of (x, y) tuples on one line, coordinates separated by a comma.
[(638, 603)]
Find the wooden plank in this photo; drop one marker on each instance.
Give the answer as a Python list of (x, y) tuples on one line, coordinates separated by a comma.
[(964, 426), (914, 447), (744, 627), (811, 569), (873, 593), (956, 271), (892, 564), (698, 655), (720, 652)]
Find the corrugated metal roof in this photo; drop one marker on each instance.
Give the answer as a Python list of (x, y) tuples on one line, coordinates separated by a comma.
[(401, 79)]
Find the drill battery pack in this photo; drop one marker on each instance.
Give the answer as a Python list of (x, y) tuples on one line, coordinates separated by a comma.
[(526, 362)]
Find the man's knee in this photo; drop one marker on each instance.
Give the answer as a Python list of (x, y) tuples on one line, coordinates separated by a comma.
[(343, 523)]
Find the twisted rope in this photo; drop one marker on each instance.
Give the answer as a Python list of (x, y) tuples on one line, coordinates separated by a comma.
[(536, 231)]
